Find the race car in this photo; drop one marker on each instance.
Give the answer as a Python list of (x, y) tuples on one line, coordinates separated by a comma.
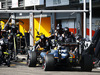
[(68, 55)]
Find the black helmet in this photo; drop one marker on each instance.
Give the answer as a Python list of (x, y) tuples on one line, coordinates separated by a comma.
[(66, 29), (79, 37), (42, 36), (58, 27)]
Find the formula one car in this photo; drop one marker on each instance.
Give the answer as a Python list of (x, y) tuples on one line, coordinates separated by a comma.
[(69, 55), (63, 53)]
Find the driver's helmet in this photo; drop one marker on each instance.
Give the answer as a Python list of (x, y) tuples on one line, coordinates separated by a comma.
[(42, 36)]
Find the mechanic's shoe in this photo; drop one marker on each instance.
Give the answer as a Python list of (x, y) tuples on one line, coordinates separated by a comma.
[(96, 62)]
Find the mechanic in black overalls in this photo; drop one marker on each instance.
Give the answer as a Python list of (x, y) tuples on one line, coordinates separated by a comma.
[(59, 33), (10, 42), (53, 39), (57, 36), (72, 36), (43, 43), (22, 41), (69, 36), (0, 48), (59, 29), (0, 33)]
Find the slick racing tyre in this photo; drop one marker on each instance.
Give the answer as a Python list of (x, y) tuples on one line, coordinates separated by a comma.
[(87, 62), (48, 63), (32, 59)]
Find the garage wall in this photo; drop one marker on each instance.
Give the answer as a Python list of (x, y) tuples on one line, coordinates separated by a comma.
[(45, 26), (65, 15), (70, 24), (95, 25), (4, 15), (25, 26), (2, 24)]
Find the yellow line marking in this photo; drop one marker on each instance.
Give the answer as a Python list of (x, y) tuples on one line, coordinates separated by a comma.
[(13, 65), (23, 62), (37, 64)]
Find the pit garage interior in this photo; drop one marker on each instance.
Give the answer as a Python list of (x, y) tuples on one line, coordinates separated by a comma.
[(72, 20)]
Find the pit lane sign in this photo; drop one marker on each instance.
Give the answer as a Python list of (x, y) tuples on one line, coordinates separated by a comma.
[(34, 2), (14, 3), (82, 1), (0, 5), (50, 3)]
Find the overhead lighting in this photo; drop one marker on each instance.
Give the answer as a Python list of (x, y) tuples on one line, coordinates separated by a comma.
[(20, 14)]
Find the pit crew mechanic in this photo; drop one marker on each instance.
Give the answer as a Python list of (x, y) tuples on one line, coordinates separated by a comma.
[(43, 43)]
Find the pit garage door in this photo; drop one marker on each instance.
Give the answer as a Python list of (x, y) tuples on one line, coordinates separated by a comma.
[(70, 24)]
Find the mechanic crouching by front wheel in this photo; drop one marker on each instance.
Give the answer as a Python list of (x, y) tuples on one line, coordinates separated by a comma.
[(43, 43)]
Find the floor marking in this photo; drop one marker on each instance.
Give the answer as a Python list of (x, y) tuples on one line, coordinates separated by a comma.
[(98, 67), (13, 65), (23, 62)]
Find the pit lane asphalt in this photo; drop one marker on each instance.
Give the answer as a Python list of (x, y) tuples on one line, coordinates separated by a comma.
[(21, 68)]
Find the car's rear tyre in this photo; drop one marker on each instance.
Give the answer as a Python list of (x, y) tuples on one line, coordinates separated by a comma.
[(87, 62), (48, 63), (32, 59)]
